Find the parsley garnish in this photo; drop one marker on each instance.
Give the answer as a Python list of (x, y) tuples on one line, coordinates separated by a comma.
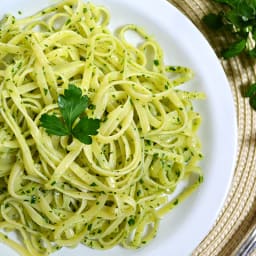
[(72, 106), (238, 17), (251, 94)]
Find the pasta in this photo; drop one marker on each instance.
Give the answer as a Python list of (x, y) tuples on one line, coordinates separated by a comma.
[(56, 191)]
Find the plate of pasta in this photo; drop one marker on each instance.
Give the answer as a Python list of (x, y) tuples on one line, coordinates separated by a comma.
[(112, 119)]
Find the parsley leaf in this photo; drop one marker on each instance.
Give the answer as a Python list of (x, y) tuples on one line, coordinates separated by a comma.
[(85, 128), (54, 125), (213, 21), (252, 102), (251, 94), (72, 106), (234, 49)]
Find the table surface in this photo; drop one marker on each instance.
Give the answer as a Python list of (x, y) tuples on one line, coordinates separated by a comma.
[(237, 215)]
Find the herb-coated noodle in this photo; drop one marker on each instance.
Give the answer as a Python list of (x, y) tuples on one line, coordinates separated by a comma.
[(56, 191)]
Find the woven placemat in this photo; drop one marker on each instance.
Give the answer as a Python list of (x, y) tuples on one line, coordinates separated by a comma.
[(237, 215)]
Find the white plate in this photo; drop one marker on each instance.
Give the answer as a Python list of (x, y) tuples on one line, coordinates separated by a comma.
[(182, 229)]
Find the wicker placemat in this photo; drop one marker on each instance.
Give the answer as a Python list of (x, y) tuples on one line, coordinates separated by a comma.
[(237, 215)]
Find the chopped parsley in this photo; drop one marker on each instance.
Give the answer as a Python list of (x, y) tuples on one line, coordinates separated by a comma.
[(131, 222), (156, 62)]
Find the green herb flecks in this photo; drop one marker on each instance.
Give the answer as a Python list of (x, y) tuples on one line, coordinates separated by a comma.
[(72, 105), (131, 221)]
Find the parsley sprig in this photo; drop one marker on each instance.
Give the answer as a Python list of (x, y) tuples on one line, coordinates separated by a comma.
[(239, 18), (72, 105)]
